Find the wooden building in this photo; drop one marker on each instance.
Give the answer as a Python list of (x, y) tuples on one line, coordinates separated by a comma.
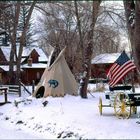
[(34, 61), (102, 63)]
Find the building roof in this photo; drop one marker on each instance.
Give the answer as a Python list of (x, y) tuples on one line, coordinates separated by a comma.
[(34, 66), (105, 58), (6, 67), (26, 52), (25, 66), (42, 55), (6, 52)]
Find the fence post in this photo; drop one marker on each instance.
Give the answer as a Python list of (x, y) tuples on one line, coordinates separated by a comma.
[(19, 88), (5, 95), (33, 86)]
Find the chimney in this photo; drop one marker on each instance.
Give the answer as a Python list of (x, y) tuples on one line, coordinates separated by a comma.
[(29, 61)]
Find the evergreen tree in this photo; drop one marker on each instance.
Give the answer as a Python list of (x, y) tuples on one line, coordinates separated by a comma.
[(23, 16)]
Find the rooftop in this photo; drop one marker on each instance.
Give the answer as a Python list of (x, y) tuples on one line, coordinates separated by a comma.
[(105, 58)]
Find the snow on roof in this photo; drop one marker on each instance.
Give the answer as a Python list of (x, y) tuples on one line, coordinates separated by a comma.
[(7, 49), (34, 65), (6, 67), (26, 52), (105, 58), (42, 55), (6, 52)]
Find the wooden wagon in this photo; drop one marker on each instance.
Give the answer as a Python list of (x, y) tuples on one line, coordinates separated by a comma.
[(123, 100)]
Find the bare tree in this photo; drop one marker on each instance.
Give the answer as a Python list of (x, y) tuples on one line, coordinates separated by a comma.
[(89, 50), (137, 34), (11, 26), (129, 9), (23, 37), (106, 40), (70, 24), (11, 15), (132, 12), (60, 30)]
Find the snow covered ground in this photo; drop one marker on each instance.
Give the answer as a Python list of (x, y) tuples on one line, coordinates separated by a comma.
[(68, 117)]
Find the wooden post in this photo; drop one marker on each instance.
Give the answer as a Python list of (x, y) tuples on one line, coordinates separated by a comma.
[(132, 81), (19, 87), (5, 95), (0, 78), (33, 86)]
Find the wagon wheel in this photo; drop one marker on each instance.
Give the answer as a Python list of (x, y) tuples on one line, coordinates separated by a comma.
[(122, 106), (100, 105)]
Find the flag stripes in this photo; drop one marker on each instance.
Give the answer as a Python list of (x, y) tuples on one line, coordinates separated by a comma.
[(119, 69)]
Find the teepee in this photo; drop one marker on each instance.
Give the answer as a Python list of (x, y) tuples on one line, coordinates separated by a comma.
[(57, 80)]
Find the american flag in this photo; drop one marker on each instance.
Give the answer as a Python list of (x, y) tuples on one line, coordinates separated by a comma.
[(119, 69)]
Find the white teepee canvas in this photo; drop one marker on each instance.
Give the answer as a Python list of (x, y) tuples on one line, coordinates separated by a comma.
[(57, 80)]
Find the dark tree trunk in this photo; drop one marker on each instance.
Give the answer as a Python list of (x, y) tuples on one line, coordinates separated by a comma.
[(11, 67), (22, 42), (88, 51), (87, 65), (13, 44), (80, 48), (137, 35), (134, 31), (128, 9)]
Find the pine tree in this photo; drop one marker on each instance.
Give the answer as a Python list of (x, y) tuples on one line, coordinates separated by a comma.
[(23, 16)]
